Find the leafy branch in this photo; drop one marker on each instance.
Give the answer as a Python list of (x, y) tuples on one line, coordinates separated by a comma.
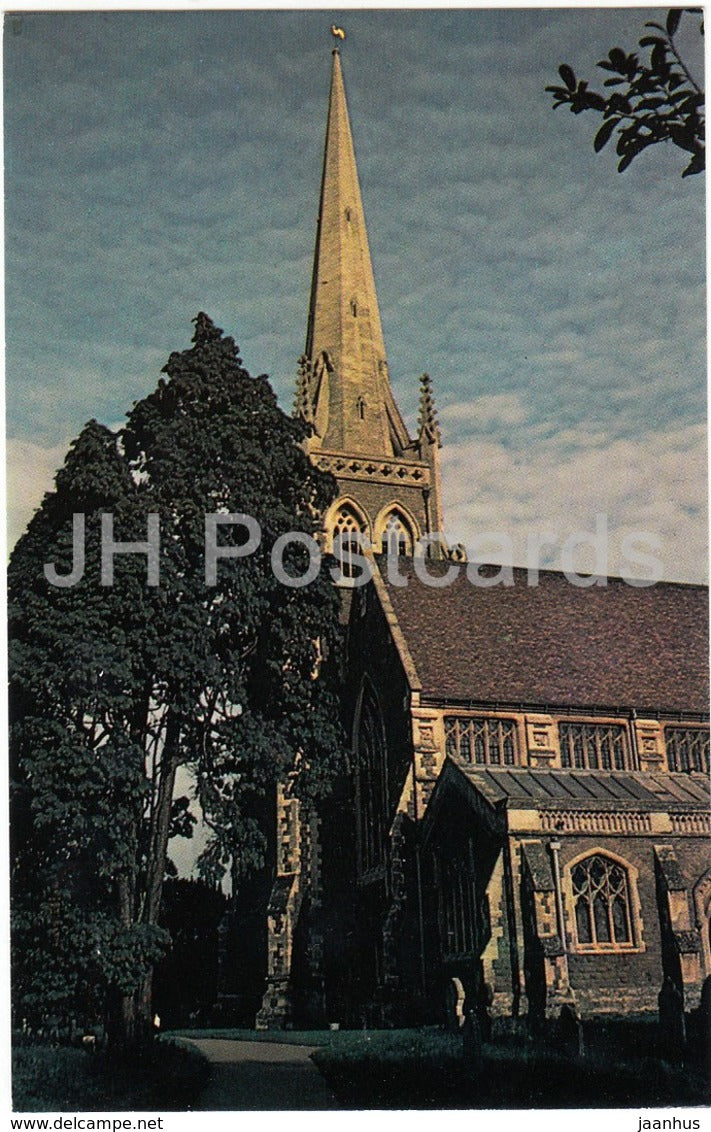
[(656, 101)]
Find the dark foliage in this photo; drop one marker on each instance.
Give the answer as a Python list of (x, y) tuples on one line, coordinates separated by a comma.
[(166, 1076), (647, 101), (114, 687)]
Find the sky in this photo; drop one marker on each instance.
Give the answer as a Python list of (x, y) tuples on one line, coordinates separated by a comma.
[(161, 163)]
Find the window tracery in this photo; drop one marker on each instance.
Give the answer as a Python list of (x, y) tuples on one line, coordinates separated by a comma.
[(488, 742), (593, 746), (397, 536), (348, 532), (603, 909), (687, 749)]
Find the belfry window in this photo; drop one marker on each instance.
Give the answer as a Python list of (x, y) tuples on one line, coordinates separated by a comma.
[(593, 746), (488, 742), (397, 536), (347, 540), (360, 407), (354, 308), (371, 784), (601, 895), (687, 749)]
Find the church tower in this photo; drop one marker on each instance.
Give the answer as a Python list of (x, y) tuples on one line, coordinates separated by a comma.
[(389, 485), (389, 494)]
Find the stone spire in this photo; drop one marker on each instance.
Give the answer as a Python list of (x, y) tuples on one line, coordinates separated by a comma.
[(352, 404)]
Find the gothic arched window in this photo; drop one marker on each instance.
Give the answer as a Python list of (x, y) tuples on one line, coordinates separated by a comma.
[(371, 784), (348, 532), (602, 901), (397, 536)]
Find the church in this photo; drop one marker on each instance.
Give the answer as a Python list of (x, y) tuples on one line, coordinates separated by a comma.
[(525, 822)]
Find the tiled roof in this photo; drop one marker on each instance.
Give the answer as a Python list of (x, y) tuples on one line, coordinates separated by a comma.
[(587, 789), (556, 643)]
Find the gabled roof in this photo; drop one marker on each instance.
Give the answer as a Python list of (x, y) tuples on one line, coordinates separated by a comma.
[(614, 646)]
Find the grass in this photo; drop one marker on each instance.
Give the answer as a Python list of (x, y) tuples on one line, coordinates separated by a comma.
[(406, 1069), (426, 1069), (168, 1076)]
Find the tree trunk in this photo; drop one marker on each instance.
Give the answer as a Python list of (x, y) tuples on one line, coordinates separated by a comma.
[(121, 1008), (155, 865), (120, 1020)]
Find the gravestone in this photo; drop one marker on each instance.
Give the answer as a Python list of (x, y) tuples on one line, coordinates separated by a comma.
[(698, 1030), (569, 1032), (672, 1024), (472, 1041)]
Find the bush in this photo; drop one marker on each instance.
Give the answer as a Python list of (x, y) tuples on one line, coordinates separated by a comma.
[(166, 1076)]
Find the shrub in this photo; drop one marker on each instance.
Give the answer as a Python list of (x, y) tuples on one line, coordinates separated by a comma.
[(167, 1076)]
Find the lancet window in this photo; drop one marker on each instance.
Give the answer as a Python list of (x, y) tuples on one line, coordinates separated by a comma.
[(371, 784), (348, 535), (397, 536)]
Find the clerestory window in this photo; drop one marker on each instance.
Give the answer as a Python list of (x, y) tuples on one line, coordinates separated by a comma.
[(593, 746), (687, 749), (489, 742)]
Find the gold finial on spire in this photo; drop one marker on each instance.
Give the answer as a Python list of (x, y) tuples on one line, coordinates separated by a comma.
[(337, 33)]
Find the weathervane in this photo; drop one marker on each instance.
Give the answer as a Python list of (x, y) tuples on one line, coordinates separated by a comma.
[(337, 33)]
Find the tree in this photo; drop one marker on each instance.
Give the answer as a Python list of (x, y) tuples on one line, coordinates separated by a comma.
[(117, 686), (654, 101), (77, 758)]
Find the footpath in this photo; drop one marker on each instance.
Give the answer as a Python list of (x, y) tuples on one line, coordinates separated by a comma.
[(261, 1076)]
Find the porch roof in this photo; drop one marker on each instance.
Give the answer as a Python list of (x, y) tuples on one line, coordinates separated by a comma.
[(520, 788)]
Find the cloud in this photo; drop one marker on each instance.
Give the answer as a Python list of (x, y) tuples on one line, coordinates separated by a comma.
[(652, 484), (31, 469), (494, 408)]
